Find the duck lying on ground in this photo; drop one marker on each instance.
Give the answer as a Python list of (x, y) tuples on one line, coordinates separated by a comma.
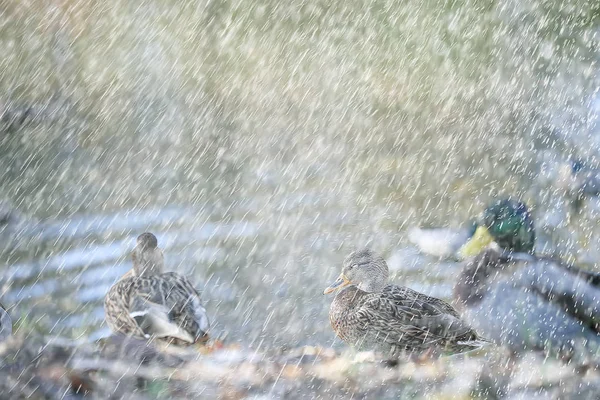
[(370, 313), (149, 303)]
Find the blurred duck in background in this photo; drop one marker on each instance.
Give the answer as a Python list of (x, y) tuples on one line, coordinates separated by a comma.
[(522, 301)]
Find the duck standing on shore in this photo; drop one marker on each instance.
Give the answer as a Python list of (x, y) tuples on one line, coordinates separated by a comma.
[(372, 314), (149, 303)]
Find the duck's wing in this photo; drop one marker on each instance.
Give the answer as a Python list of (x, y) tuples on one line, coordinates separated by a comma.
[(593, 278), (155, 321), (406, 321), (441, 306), (576, 291), (168, 305)]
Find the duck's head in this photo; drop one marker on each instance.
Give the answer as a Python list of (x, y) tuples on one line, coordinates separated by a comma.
[(147, 257), (365, 269), (506, 222)]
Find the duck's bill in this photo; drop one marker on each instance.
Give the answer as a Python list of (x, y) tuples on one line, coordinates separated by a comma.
[(479, 241), (338, 284)]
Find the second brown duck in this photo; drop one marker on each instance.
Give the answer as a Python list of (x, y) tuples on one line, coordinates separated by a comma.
[(372, 314)]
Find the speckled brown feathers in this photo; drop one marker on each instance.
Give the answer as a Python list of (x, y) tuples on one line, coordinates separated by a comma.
[(169, 289), (399, 320), (392, 319), (147, 303)]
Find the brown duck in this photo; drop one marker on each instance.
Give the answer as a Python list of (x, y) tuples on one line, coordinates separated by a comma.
[(149, 303), (372, 314)]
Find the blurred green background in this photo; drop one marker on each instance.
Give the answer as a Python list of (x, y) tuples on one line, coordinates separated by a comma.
[(322, 126)]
